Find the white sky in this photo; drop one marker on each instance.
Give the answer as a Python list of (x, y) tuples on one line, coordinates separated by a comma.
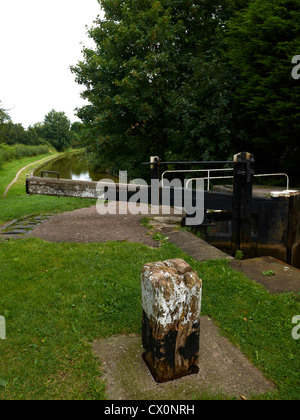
[(39, 41)]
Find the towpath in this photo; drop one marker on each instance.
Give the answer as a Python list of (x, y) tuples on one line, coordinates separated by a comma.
[(21, 170)]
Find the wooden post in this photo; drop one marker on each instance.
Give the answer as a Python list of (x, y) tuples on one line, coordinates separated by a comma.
[(242, 202), (154, 167), (171, 298)]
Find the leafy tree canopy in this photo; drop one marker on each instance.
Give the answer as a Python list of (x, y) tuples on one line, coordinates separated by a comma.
[(4, 116), (263, 38), (193, 80), (56, 130), (156, 82)]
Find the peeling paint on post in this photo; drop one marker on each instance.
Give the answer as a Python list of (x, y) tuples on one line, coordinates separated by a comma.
[(171, 298)]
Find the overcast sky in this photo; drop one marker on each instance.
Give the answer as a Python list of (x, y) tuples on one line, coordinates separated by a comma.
[(39, 41)]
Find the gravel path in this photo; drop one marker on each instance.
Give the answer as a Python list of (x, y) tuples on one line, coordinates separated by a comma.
[(86, 225)]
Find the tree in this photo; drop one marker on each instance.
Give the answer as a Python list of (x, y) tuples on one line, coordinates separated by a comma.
[(14, 133), (4, 117), (35, 134), (263, 38), (156, 82), (77, 129), (56, 130)]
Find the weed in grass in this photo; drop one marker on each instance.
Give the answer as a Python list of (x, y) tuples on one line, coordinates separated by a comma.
[(269, 273), (239, 255), (163, 239), (146, 222)]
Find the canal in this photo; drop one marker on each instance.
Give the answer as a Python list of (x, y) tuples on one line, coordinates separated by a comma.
[(76, 167)]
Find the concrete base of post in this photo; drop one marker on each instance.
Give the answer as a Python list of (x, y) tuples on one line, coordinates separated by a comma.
[(171, 298)]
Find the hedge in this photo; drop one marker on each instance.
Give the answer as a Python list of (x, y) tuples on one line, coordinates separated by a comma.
[(19, 151)]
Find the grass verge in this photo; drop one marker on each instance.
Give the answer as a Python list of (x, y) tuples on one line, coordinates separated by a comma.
[(10, 169), (17, 204), (58, 298)]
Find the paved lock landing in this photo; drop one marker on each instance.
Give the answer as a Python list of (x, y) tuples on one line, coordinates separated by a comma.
[(224, 370), (275, 275)]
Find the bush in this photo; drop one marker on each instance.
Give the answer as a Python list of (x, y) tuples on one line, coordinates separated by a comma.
[(19, 151)]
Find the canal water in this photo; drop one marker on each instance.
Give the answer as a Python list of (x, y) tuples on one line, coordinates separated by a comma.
[(76, 167)]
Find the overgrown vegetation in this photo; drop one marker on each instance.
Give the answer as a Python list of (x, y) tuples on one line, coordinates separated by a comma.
[(18, 151)]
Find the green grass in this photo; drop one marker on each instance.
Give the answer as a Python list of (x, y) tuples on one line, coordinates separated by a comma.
[(17, 204), (58, 298), (10, 169), (256, 321), (17, 207)]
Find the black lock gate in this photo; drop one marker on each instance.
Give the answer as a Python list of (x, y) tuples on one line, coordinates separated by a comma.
[(260, 226)]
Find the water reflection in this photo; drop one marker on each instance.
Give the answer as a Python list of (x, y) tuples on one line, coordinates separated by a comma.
[(75, 167), (84, 176)]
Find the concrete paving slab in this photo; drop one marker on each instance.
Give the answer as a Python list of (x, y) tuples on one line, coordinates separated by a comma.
[(196, 247), (224, 370), (285, 278), (258, 190)]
